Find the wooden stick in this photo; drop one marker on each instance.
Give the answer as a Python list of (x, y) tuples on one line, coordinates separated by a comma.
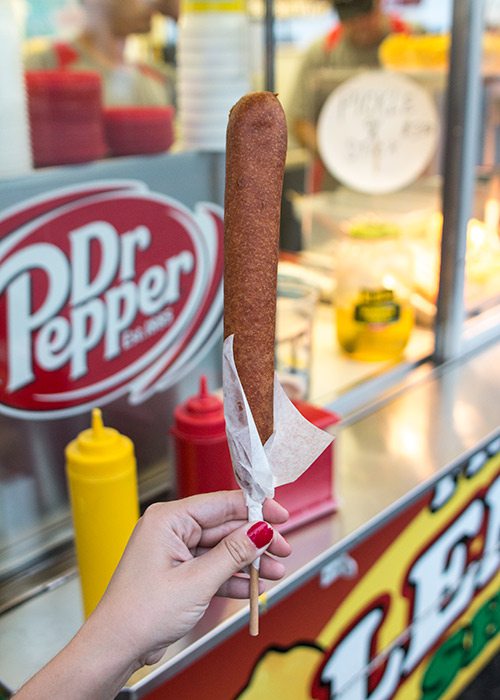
[(254, 602), (255, 162)]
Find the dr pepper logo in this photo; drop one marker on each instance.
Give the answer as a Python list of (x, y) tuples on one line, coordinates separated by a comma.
[(105, 290)]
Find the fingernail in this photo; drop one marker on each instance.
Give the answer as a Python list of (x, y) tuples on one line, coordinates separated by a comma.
[(261, 534)]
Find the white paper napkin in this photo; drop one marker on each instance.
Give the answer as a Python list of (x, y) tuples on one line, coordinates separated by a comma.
[(291, 449)]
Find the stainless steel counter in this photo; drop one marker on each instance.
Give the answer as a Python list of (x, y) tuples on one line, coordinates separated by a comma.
[(385, 459)]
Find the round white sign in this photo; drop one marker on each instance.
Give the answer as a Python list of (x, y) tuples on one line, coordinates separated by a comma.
[(377, 132)]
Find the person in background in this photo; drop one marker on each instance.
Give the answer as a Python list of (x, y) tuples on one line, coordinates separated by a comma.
[(101, 47), (179, 556), (352, 43)]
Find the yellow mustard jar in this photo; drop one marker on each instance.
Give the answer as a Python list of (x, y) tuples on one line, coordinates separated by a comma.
[(102, 480), (374, 269)]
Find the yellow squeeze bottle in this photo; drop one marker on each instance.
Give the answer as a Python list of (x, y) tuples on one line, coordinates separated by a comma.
[(102, 480)]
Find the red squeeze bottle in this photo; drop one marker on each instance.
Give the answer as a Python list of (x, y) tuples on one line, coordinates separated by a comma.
[(202, 459)]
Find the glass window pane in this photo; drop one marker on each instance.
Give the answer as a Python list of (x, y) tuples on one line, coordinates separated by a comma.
[(482, 278), (373, 246), (100, 78)]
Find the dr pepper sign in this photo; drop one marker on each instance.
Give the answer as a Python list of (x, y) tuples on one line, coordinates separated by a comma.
[(106, 290)]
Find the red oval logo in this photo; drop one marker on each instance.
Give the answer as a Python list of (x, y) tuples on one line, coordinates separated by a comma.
[(101, 294)]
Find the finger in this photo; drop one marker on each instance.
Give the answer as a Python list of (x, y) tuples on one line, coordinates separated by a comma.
[(240, 548), (188, 518), (279, 546), (238, 587), (204, 511), (274, 512), (210, 538), (212, 509), (270, 568), (213, 535)]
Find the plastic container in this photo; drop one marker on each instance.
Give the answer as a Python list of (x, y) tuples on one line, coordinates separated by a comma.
[(374, 317), (202, 459), (139, 130), (102, 480), (65, 109)]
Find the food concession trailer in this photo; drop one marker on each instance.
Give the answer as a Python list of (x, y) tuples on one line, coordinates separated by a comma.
[(393, 595)]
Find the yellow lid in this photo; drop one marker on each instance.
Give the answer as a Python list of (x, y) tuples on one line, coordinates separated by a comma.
[(99, 451), (371, 230), (201, 6)]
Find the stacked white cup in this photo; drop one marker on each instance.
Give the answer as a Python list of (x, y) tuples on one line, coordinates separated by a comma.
[(213, 69), (15, 147)]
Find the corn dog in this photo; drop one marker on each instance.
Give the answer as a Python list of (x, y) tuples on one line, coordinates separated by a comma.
[(255, 161)]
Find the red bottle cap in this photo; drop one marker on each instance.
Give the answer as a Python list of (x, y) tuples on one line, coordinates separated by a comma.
[(201, 415)]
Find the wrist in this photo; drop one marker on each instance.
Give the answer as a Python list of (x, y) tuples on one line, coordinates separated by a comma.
[(106, 657), (91, 665)]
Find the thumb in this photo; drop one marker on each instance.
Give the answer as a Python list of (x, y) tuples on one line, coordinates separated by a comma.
[(234, 552)]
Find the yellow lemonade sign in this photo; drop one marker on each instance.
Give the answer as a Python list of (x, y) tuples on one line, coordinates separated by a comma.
[(423, 620)]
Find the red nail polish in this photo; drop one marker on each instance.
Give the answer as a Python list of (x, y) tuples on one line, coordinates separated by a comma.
[(260, 533)]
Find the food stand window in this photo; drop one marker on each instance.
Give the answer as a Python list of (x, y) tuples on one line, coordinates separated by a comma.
[(340, 208)]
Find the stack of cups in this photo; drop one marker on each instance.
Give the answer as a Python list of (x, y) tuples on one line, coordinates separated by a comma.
[(65, 109), (15, 149), (213, 69)]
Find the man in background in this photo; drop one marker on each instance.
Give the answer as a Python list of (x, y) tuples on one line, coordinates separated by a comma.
[(101, 47), (353, 43)]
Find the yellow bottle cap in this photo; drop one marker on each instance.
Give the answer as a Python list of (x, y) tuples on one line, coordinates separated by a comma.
[(219, 6), (99, 451), (374, 230)]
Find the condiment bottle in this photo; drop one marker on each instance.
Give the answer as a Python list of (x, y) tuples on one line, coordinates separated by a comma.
[(374, 317), (102, 479), (202, 458)]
